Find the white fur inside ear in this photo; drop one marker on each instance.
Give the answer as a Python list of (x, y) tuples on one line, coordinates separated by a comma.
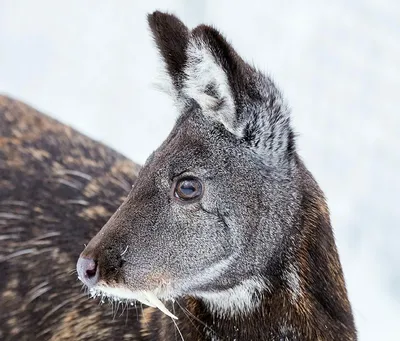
[(207, 83), (164, 84)]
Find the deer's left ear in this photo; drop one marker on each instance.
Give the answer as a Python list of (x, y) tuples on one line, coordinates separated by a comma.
[(201, 65), (172, 38)]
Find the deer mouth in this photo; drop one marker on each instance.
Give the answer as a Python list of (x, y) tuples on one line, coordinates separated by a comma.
[(122, 294), (89, 273)]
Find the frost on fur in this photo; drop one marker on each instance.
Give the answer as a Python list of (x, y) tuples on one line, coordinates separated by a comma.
[(127, 296)]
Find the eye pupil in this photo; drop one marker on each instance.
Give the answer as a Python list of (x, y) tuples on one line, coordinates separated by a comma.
[(187, 189)]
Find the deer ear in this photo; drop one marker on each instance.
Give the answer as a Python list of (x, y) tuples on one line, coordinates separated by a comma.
[(232, 92), (214, 76), (205, 68), (172, 38), (200, 64)]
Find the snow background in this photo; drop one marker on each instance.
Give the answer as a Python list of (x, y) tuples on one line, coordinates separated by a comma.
[(91, 64)]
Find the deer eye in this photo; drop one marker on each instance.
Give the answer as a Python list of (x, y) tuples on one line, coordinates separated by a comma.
[(188, 189)]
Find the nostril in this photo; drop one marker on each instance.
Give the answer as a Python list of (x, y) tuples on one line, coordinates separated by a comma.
[(91, 268), (87, 271)]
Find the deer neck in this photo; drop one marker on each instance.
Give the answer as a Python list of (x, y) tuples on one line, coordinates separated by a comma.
[(307, 300)]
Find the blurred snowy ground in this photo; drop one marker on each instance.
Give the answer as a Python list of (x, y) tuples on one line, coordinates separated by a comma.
[(91, 64)]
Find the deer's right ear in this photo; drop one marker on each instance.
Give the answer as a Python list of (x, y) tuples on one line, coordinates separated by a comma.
[(172, 39)]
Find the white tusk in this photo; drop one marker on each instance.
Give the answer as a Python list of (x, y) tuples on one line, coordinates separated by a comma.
[(154, 300)]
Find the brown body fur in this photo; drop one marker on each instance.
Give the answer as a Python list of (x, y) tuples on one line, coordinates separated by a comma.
[(58, 187)]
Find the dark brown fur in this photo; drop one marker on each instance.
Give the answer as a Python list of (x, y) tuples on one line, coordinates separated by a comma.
[(175, 59), (47, 212)]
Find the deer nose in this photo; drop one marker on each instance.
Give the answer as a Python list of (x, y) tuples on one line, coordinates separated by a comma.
[(88, 271)]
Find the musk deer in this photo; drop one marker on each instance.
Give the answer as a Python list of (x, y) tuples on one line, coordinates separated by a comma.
[(224, 225)]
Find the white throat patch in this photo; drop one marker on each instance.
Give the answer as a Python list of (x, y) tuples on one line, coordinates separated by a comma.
[(241, 299)]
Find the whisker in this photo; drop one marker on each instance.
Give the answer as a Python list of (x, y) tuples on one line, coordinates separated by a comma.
[(62, 304), (176, 326), (173, 310), (116, 310), (127, 313), (197, 319), (112, 308), (125, 250), (191, 321)]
